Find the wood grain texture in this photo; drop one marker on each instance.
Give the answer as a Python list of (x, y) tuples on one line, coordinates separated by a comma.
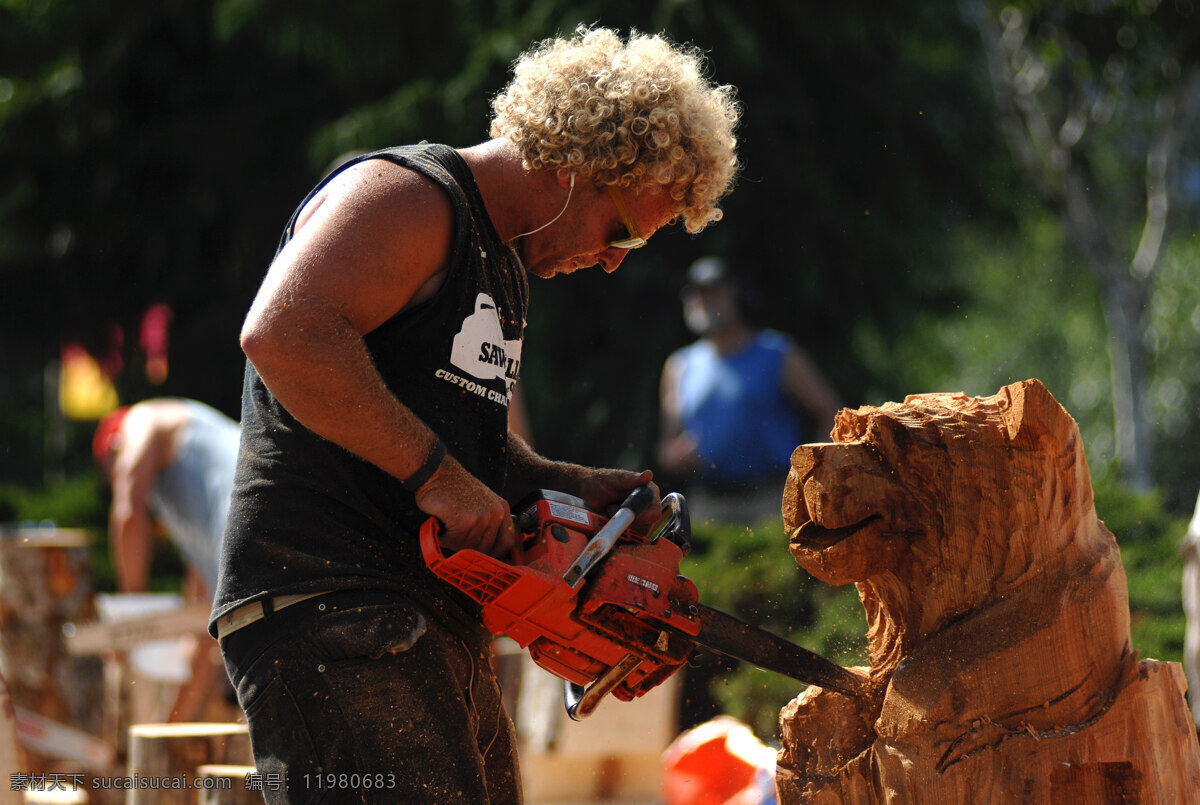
[(1001, 668)]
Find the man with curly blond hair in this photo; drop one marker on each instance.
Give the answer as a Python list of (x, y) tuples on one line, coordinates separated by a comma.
[(383, 349), (636, 115)]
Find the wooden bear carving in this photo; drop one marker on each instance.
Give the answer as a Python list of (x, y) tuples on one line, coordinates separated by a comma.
[(1001, 668)]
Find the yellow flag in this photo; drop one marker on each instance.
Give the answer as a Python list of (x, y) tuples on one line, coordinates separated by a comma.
[(84, 391)]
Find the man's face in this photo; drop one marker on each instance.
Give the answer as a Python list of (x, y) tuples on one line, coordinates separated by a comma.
[(591, 222), (707, 308)]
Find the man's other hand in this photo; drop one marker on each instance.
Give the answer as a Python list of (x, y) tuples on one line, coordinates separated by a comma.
[(472, 515)]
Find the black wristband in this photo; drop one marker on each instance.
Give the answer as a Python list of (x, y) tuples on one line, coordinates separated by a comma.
[(434, 460)]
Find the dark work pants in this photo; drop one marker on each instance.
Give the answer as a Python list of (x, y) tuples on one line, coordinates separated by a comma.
[(357, 697)]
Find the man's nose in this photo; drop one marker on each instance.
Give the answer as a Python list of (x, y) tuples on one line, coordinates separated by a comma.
[(612, 259), (807, 457)]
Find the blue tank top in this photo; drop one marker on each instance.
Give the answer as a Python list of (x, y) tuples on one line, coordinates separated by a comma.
[(735, 408)]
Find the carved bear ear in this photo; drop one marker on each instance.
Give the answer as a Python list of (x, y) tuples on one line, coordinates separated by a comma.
[(1030, 404)]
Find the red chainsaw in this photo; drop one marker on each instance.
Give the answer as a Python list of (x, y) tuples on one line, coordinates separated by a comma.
[(603, 605)]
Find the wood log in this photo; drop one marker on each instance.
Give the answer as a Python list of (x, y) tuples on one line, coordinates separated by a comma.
[(45, 583), (151, 644), (79, 749), (166, 752), (613, 755), (98, 638), (11, 756), (1001, 667), (229, 785), (57, 797)]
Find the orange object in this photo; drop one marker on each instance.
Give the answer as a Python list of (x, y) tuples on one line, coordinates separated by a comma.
[(578, 635), (154, 338), (717, 763)]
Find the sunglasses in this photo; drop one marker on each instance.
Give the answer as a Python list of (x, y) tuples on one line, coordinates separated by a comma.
[(634, 239)]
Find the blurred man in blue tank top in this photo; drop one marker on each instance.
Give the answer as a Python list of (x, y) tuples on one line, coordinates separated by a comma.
[(735, 404)]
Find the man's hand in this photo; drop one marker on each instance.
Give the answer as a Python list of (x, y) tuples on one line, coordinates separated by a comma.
[(680, 453), (601, 490), (473, 516), (604, 490)]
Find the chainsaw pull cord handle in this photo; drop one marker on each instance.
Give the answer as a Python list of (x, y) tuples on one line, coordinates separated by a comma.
[(599, 546)]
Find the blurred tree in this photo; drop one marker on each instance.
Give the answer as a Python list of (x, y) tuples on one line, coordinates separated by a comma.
[(143, 162), (151, 152), (1097, 101)]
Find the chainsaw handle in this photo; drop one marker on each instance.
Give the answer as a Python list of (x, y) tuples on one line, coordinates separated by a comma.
[(581, 701), (572, 698), (638, 500), (604, 540), (676, 523)]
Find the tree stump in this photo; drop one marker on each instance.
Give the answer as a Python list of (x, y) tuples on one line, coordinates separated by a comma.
[(230, 786), (67, 796), (167, 752), (45, 582), (11, 756), (1001, 668)]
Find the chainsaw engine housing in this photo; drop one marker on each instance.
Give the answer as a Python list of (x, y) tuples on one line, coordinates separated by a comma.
[(634, 606)]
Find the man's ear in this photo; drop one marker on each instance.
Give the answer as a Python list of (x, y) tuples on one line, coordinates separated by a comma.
[(566, 178)]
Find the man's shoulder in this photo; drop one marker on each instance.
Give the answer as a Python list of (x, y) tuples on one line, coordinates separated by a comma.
[(377, 189), (427, 175), (691, 352), (773, 339), (438, 162)]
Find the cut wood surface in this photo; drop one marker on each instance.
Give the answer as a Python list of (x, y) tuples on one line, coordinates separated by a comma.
[(159, 752), (231, 785), (1001, 668)]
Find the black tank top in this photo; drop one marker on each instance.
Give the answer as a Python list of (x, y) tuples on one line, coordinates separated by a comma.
[(307, 515)]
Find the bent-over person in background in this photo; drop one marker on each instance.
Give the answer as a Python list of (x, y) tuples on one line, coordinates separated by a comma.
[(170, 462)]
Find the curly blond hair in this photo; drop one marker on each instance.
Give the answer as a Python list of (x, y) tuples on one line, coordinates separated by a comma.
[(631, 113)]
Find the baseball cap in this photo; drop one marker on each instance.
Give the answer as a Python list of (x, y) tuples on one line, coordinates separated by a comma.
[(709, 272), (106, 432)]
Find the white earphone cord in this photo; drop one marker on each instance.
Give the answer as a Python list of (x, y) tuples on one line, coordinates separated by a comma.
[(570, 191)]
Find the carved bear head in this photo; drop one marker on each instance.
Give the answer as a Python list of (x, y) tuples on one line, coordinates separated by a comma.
[(937, 500)]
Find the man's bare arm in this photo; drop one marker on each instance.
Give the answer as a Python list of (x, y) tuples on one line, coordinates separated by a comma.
[(677, 449), (143, 450), (808, 388), (373, 242)]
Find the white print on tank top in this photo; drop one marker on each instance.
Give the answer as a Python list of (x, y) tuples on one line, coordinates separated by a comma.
[(480, 350)]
